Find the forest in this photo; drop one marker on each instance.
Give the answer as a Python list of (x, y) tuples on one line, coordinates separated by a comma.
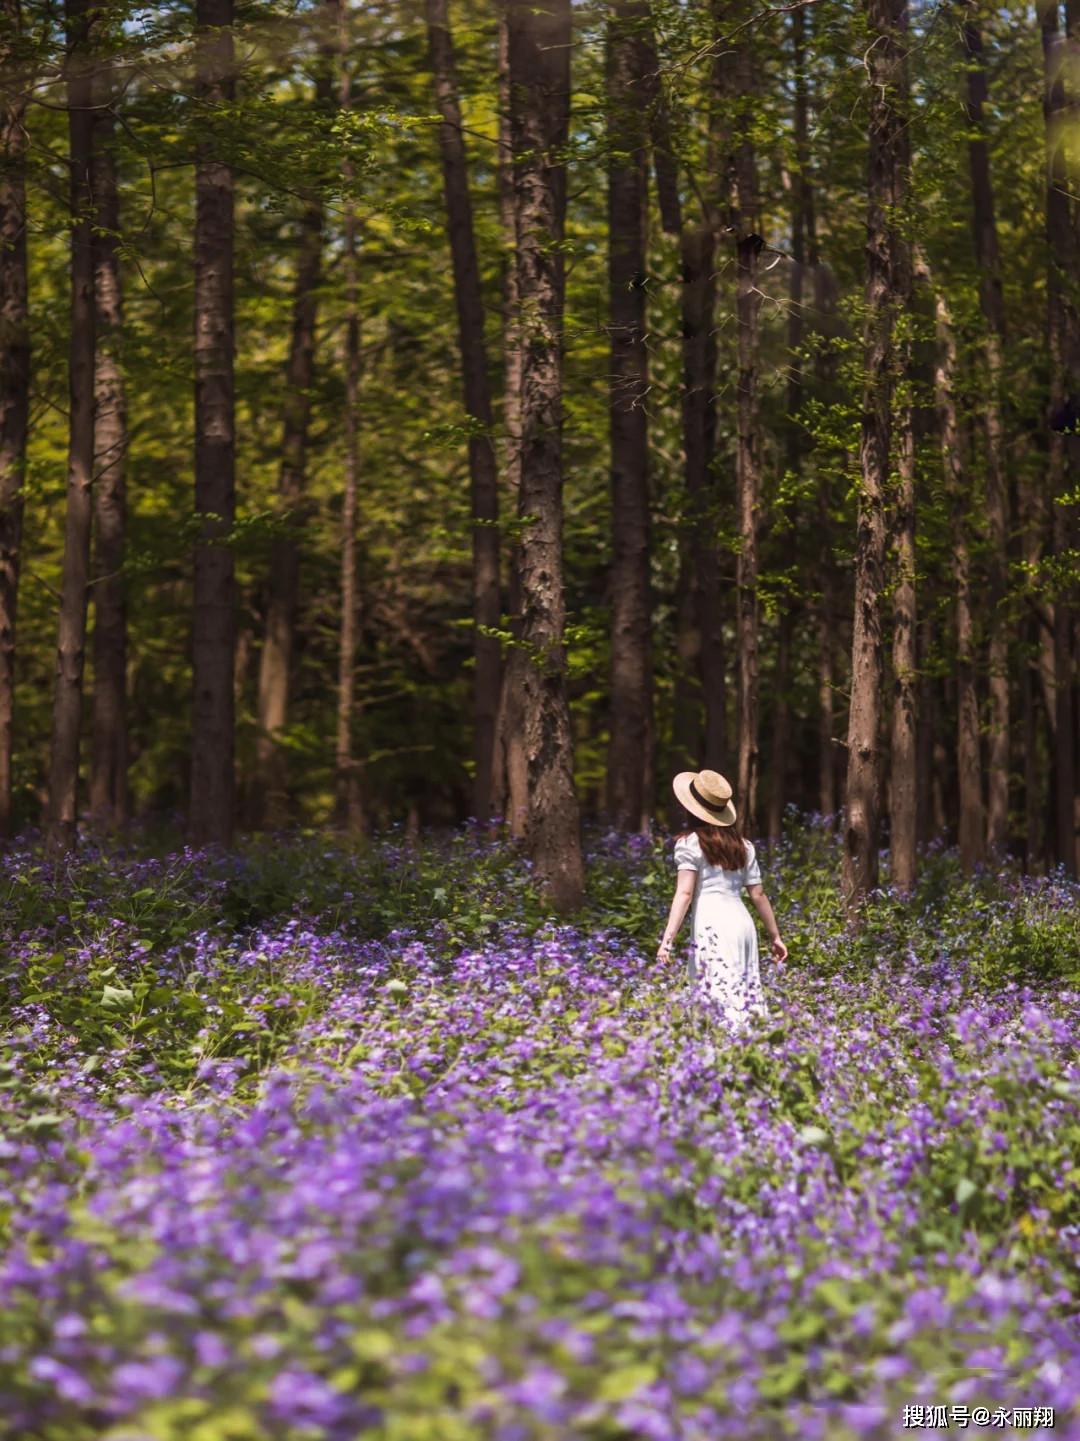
[(408, 417), (430, 431)]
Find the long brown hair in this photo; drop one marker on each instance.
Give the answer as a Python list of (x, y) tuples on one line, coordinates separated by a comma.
[(722, 846)]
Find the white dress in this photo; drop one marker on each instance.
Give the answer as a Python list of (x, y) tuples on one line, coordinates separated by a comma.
[(724, 951)]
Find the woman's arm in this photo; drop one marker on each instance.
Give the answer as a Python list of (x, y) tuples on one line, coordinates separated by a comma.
[(680, 904), (761, 904)]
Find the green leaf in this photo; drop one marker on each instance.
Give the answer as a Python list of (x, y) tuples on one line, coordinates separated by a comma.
[(617, 1385), (813, 1136), (965, 1189), (372, 1344), (117, 998), (45, 1121)]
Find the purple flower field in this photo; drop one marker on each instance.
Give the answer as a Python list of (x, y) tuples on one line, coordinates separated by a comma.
[(430, 1167)]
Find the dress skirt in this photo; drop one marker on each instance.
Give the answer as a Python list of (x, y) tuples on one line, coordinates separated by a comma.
[(724, 956)]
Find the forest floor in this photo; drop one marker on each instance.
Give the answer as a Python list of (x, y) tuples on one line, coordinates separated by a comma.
[(311, 1142)]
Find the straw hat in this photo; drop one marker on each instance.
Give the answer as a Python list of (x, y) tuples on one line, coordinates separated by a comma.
[(707, 795)]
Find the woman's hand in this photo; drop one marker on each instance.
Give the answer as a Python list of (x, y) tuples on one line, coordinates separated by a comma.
[(779, 950), (664, 952)]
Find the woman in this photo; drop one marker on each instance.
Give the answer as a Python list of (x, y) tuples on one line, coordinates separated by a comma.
[(714, 864)]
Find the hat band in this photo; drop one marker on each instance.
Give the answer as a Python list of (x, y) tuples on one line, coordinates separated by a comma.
[(711, 805)]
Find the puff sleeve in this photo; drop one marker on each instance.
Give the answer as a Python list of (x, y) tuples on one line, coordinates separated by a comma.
[(687, 853), (753, 870)]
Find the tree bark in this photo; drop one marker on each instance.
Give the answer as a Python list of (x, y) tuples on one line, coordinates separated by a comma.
[(748, 439), (14, 382), (108, 761), (802, 225), (71, 629), (698, 255), (972, 830), (213, 782), (903, 753), (483, 470), (631, 651), (700, 688), (805, 249), (277, 659), (1063, 329), (686, 730), (539, 118), (781, 727), (886, 62), (510, 794), (991, 300), (1033, 808), (348, 793), (279, 642)]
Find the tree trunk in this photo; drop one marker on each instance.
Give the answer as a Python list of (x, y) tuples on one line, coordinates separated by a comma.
[(71, 630), (348, 795), (279, 642), (108, 762), (698, 253), (805, 248), (972, 831), (483, 471), (1033, 808), (748, 441), (924, 740), (1063, 327), (781, 727), (14, 388), (903, 814), (539, 117), (686, 733), (214, 623), (631, 659), (802, 225), (886, 62), (992, 303), (510, 781)]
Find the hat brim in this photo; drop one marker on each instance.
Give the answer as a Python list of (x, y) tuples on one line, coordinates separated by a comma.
[(726, 815)]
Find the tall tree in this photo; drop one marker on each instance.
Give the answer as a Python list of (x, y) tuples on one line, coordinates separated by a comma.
[(510, 772), (971, 825), (71, 628), (14, 369), (277, 659), (539, 116), (631, 609), (805, 242), (781, 736), (483, 470), (887, 119), (992, 302), (698, 254), (748, 244), (802, 227), (348, 795), (109, 748), (700, 674), (213, 782), (903, 750), (1063, 334)]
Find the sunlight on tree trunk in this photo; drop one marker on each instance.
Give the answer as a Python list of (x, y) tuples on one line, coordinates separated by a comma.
[(631, 651), (886, 74), (14, 387), (109, 761), (71, 630), (540, 109)]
